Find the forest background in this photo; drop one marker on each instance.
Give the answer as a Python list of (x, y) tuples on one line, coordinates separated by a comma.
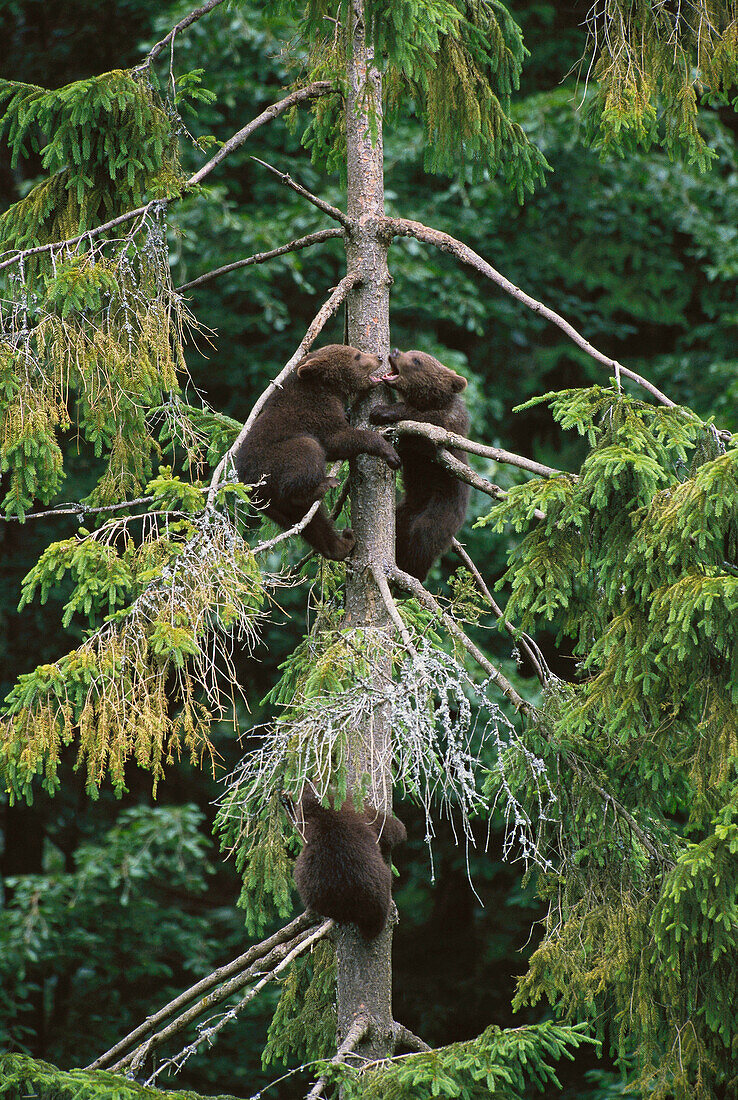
[(640, 253)]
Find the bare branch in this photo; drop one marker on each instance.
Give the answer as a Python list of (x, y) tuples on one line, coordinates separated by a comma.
[(326, 207), (268, 965), (465, 473), (358, 1030), (403, 227), (406, 1038), (80, 510), (191, 18), (415, 588), (310, 91), (24, 253), (324, 313), (301, 944), (534, 654), (257, 951), (262, 257), (441, 437), (392, 611)]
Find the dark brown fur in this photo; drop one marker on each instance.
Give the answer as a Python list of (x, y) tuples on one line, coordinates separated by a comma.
[(343, 869), (302, 426), (435, 502)]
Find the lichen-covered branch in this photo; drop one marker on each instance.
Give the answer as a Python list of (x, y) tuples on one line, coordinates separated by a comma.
[(358, 1030), (236, 966), (442, 437), (263, 257)]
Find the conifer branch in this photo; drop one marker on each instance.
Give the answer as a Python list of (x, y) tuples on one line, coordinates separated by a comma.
[(309, 91), (406, 1038), (332, 211), (442, 437), (257, 951), (262, 257), (186, 22), (403, 227), (519, 637), (415, 588), (325, 312), (358, 1030), (269, 966)]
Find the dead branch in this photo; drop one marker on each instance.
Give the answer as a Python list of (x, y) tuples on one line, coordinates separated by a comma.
[(309, 91), (268, 965), (465, 473), (404, 1037), (257, 951), (415, 588), (392, 611), (534, 654), (441, 437), (324, 313), (262, 257), (207, 1034), (356, 1033), (332, 211), (188, 19), (80, 510), (403, 227)]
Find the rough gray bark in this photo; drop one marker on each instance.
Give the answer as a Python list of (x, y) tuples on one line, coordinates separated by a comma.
[(365, 968)]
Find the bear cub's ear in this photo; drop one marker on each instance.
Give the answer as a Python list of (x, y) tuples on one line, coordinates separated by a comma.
[(458, 383), (314, 363)]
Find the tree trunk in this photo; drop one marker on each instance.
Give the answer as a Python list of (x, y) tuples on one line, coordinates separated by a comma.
[(365, 967)]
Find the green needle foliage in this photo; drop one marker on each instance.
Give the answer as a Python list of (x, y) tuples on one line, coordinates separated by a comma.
[(26, 1077)]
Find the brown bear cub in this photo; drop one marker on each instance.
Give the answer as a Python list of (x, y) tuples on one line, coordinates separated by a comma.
[(343, 869), (435, 502), (302, 426)]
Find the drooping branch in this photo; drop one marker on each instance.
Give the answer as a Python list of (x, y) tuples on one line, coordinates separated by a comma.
[(309, 91), (465, 473), (358, 1030), (332, 211), (319, 87), (403, 227), (441, 437), (269, 966), (415, 588), (534, 654), (228, 970), (324, 313), (186, 22), (262, 257)]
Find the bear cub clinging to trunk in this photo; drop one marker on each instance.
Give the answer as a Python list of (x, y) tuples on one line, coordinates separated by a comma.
[(302, 426), (435, 502), (343, 869)]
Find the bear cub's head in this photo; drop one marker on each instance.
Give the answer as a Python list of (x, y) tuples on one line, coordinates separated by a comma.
[(341, 368), (421, 380)]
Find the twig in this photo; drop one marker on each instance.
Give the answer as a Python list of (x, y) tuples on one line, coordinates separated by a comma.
[(188, 19), (309, 91), (258, 950), (534, 654), (300, 525), (391, 606), (262, 257), (275, 960), (403, 227), (406, 1038), (356, 1033), (415, 588), (78, 510), (208, 1034), (324, 313), (441, 437), (321, 204)]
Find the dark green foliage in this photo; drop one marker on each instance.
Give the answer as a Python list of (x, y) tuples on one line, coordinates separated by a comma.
[(22, 1077), (304, 1024), (505, 1064)]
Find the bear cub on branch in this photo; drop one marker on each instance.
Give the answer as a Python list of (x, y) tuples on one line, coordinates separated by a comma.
[(435, 502), (343, 869), (303, 426)]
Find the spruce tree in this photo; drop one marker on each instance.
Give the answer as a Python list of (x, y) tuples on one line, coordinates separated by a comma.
[(634, 557)]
